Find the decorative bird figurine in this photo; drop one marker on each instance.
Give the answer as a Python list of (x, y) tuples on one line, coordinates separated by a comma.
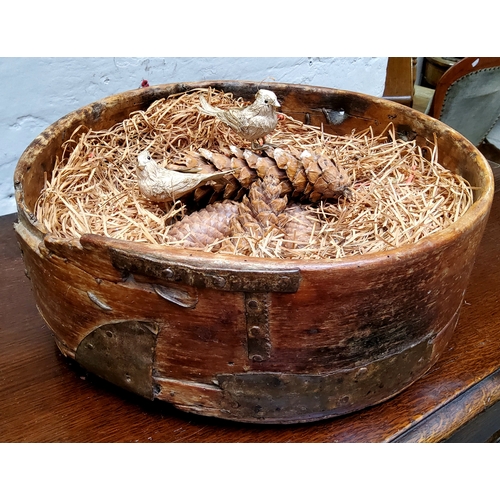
[(162, 184), (252, 122)]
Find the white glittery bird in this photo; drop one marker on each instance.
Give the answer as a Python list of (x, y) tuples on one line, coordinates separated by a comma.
[(252, 122), (162, 184)]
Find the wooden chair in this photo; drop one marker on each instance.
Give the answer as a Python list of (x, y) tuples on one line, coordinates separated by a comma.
[(467, 97)]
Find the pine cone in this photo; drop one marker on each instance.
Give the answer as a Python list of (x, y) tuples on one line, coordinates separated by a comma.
[(298, 227), (222, 162), (265, 202), (258, 216), (241, 227), (303, 175), (269, 179), (204, 227)]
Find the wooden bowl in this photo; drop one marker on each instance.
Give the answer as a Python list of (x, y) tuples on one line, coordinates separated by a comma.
[(257, 340)]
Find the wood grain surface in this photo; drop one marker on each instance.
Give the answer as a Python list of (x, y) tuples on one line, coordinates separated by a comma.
[(400, 80), (45, 397)]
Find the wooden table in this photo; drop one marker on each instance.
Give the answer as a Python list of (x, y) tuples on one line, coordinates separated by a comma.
[(47, 398)]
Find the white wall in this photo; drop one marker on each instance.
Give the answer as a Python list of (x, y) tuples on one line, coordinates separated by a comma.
[(36, 92)]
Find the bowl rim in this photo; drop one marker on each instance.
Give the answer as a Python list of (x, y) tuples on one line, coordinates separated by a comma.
[(479, 210)]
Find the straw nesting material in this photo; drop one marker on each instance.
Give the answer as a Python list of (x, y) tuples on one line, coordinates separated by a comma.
[(399, 191)]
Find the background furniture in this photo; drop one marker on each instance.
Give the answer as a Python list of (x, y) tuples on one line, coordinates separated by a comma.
[(400, 80), (467, 97)]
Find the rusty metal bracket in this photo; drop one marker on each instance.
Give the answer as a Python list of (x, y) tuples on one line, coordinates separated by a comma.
[(234, 280), (258, 335), (121, 353), (274, 397)]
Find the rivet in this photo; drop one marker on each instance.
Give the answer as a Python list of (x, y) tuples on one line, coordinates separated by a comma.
[(253, 304), (168, 273), (219, 281), (254, 330)]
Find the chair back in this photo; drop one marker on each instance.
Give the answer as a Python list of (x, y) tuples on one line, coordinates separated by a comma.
[(467, 97)]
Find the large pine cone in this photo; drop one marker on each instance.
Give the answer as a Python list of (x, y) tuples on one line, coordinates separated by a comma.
[(303, 175), (237, 227)]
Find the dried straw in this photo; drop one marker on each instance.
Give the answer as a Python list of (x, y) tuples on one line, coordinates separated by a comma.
[(399, 196)]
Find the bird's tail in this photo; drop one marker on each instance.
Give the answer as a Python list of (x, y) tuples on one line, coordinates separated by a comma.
[(206, 108), (217, 175)]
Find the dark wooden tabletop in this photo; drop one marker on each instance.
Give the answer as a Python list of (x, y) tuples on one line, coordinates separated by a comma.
[(45, 397)]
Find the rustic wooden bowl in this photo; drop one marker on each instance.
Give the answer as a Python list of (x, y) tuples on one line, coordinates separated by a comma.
[(256, 340)]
